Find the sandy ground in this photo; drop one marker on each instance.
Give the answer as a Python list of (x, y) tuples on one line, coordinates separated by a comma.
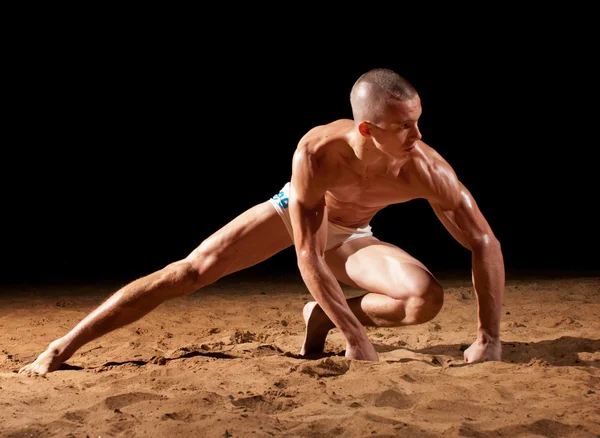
[(223, 363)]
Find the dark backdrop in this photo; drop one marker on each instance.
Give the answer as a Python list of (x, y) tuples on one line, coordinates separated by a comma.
[(120, 157)]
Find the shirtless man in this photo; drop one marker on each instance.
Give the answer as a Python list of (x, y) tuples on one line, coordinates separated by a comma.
[(343, 173)]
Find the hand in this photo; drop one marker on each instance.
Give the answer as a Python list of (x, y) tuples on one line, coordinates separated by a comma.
[(364, 351), (483, 350)]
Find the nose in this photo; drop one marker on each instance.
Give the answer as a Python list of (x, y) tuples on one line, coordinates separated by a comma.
[(415, 134)]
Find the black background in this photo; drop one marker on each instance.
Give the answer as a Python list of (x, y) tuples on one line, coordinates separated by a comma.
[(122, 154)]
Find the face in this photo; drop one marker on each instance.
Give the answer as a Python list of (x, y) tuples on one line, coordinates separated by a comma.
[(398, 132)]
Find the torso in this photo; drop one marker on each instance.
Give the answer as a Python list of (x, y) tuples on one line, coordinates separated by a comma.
[(355, 198), (355, 194)]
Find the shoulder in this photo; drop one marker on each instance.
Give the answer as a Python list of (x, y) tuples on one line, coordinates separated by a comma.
[(322, 148), (435, 177)]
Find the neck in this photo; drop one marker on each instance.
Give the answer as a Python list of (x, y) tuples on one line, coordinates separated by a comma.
[(368, 155), (364, 149)]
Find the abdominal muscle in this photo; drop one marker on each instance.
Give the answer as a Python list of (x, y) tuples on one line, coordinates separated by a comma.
[(356, 214)]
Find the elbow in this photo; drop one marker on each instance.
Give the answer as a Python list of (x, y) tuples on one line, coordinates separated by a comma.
[(308, 257), (485, 243)]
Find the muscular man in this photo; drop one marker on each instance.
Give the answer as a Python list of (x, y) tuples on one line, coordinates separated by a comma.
[(343, 173)]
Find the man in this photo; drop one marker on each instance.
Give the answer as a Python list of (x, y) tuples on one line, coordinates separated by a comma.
[(343, 173)]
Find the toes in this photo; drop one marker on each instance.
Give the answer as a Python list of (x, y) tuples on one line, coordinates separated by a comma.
[(27, 372)]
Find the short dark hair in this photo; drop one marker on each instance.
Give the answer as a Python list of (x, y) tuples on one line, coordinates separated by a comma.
[(374, 90)]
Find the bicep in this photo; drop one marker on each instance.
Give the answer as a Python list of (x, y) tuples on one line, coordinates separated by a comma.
[(461, 216), (307, 205)]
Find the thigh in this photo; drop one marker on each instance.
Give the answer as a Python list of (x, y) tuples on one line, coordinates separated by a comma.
[(375, 266), (248, 239)]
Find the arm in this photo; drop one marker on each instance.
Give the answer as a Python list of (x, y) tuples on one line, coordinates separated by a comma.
[(459, 213), (309, 223)]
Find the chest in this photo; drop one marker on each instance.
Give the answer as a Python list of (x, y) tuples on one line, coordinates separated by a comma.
[(374, 190)]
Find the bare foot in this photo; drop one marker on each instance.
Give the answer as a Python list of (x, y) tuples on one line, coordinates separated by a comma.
[(317, 328), (46, 362)]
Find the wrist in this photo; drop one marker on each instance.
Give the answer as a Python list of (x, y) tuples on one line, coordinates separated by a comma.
[(356, 338)]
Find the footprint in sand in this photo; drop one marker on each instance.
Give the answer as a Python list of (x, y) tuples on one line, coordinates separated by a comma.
[(122, 400), (393, 399), (328, 367), (265, 404), (76, 416), (267, 350)]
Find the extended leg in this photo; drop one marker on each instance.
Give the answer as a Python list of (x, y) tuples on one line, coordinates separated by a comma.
[(249, 239)]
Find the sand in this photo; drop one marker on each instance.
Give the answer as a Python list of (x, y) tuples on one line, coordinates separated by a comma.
[(223, 362)]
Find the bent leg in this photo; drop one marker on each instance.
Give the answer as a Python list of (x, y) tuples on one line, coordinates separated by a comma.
[(250, 238), (401, 290)]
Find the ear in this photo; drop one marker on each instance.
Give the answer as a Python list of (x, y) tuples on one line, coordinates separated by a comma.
[(363, 128)]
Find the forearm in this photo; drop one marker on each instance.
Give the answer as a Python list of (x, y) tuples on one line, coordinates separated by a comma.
[(488, 282), (326, 290)]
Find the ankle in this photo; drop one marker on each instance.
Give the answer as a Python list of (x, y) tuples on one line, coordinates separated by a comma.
[(58, 348)]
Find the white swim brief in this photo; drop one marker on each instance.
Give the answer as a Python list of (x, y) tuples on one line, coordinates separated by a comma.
[(336, 234)]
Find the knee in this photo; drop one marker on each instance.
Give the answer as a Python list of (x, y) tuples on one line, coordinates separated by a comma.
[(180, 277), (208, 262), (423, 306)]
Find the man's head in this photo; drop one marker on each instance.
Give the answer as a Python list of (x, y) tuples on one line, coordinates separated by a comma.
[(386, 108), (375, 91)]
